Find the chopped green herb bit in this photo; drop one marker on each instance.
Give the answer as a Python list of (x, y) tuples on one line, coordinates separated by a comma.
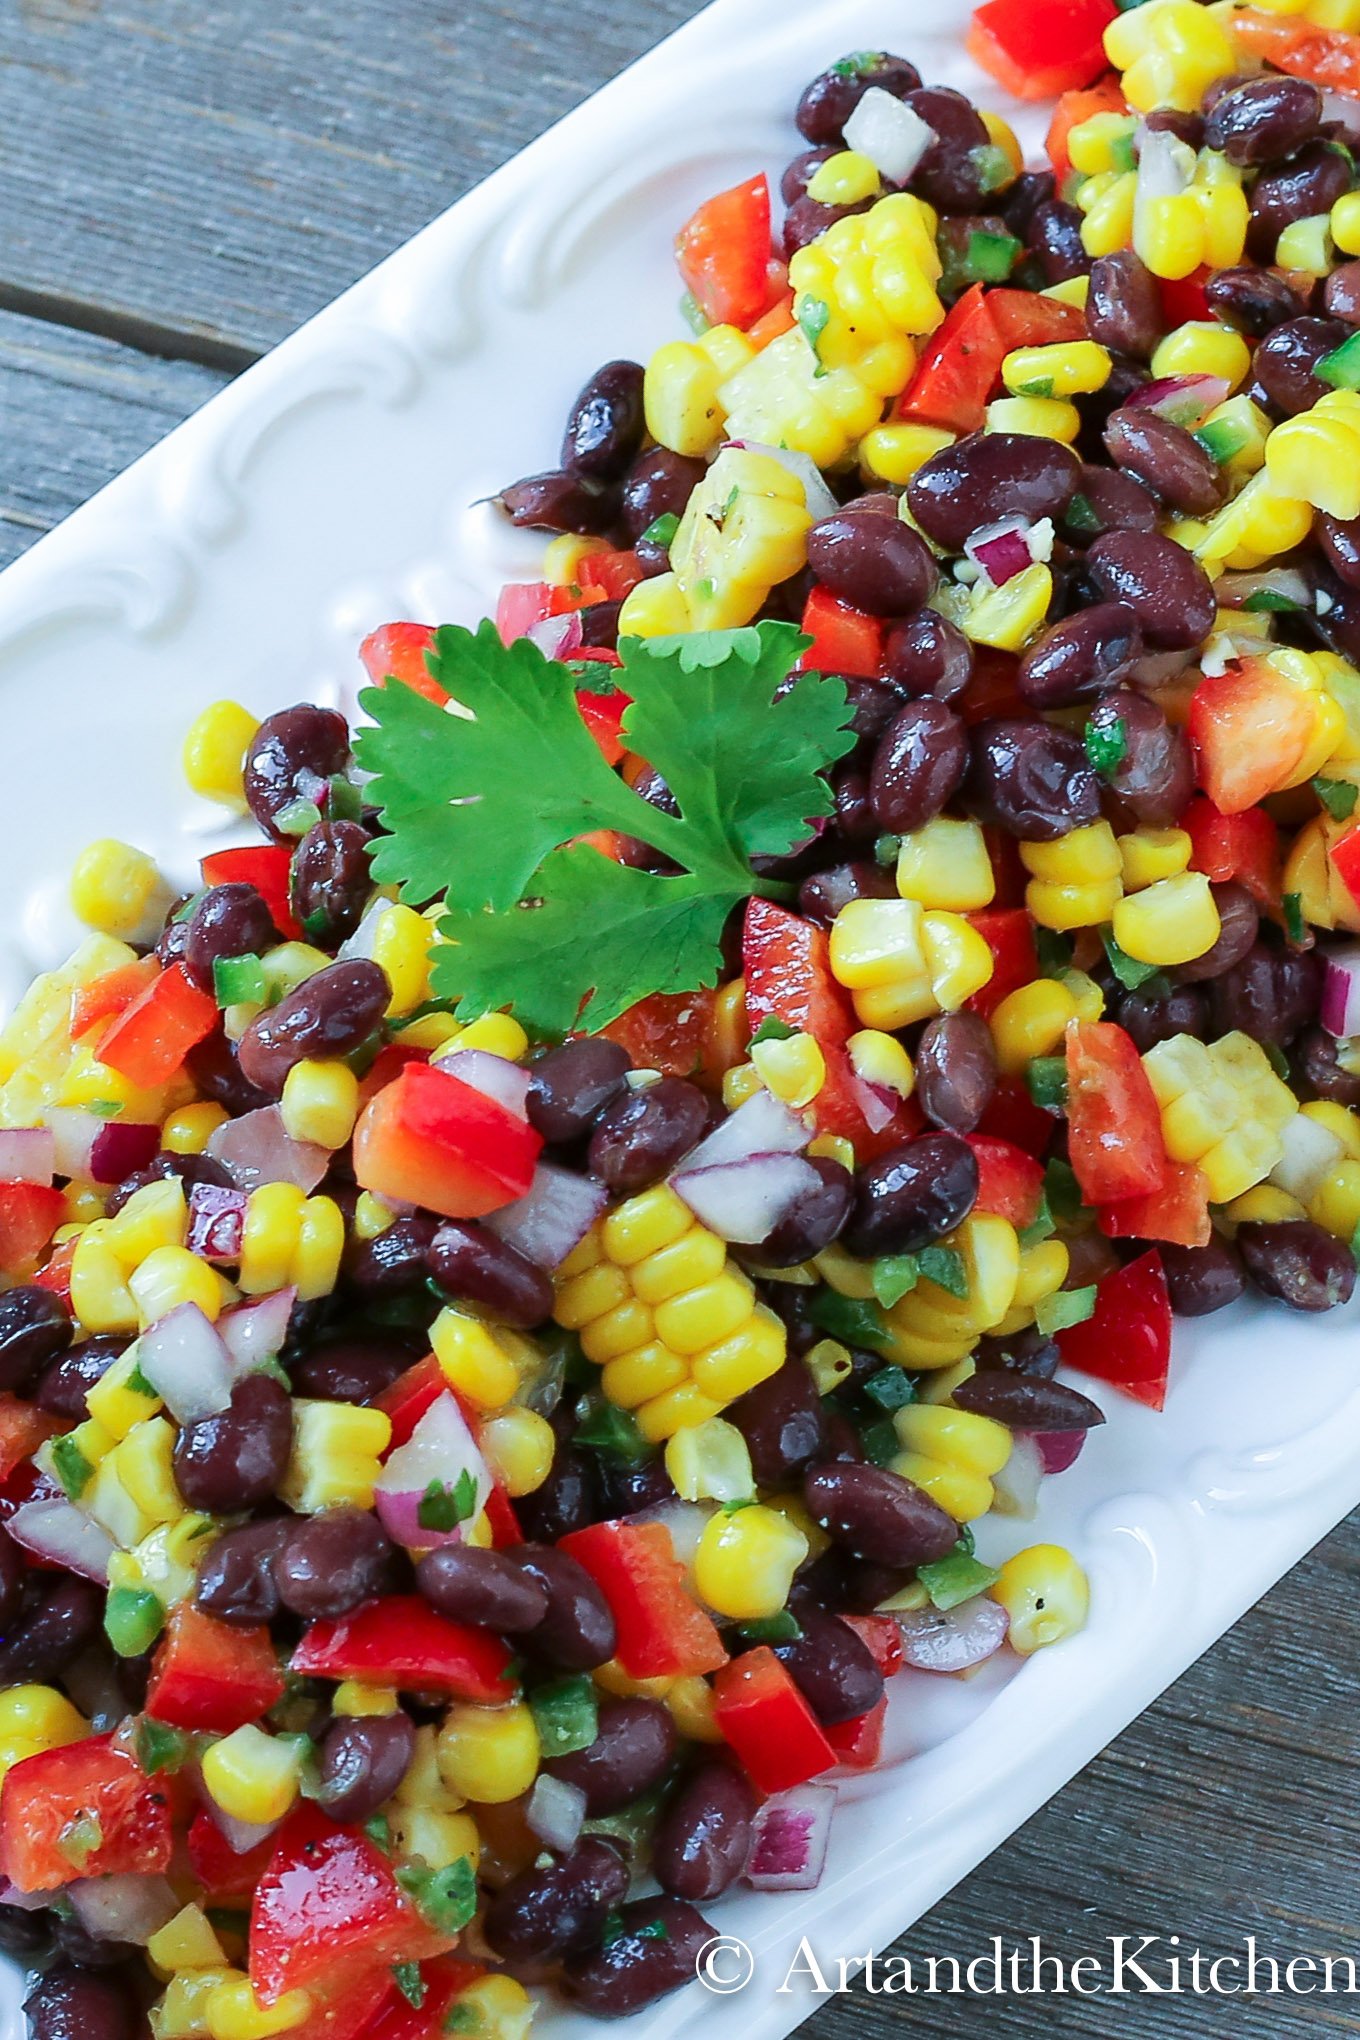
[(158, 1747), (1107, 746), (1271, 599), (462, 2019), (1041, 1227), (894, 1277), (854, 1320), (814, 315), (891, 1388), (662, 529), (1062, 1193), (1065, 1307), (238, 981), (612, 1929), (944, 1266), (133, 1619), (442, 1507), (446, 1899), (1295, 924), (378, 1828), (1080, 517), (71, 1467), (886, 849), (1277, 1059), (1127, 969), (880, 1441), (565, 1715), (138, 1384), (410, 1982), (1053, 950), (772, 1028), (1046, 1081), (612, 1432), (1041, 386), (855, 65), (1338, 796), (960, 1577), (655, 1930)]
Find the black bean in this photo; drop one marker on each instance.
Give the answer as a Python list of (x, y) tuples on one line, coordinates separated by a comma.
[(330, 882), (393, 1261), (577, 1632), (70, 2004), (1297, 1263), (1024, 1404), (872, 703), (1202, 1279), (570, 1086), (1307, 184), (833, 95), (229, 920), (988, 476), (334, 1562), (800, 172), (643, 1134), (605, 424), (876, 563), (13, 1579), (327, 1015), (1252, 300), (956, 1072), (832, 1669), (1318, 1072), (1150, 1017), (821, 897), (1028, 1353), (1108, 501), (629, 1488), (486, 1588), (213, 1066), (293, 756), (929, 655), (1054, 235), (236, 1459), (1263, 120), (1021, 200), (1285, 361), (1167, 458), (557, 1905), (567, 1500), (1156, 775), (1270, 994), (918, 766), (1081, 658), (656, 1950), (631, 1754), (35, 1330), (62, 1386), (855, 821), (704, 1834), (1239, 919), (355, 1370), (912, 1195), (1034, 780), (560, 501), (878, 1516), (814, 1220), (1124, 305), (808, 218), (43, 1641), (25, 1937), (659, 484), (1340, 543), (1341, 298), (236, 1577), (75, 1943), (472, 1265), (1166, 588), (361, 1762), (782, 1421)]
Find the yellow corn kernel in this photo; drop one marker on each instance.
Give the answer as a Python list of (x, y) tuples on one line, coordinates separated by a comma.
[(252, 1776), (564, 558), (336, 1457), (1171, 57), (1147, 855), (697, 1257), (680, 398), (496, 2008), (945, 864), (215, 750), (1345, 223), (845, 179), (518, 1447), (703, 1316), (877, 943), (1267, 1204), (1203, 347), (170, 1276), (1316, 455), (655, 608), (793, 1069), (489, 1754), (401, 948), (144, 1463), (471, 1360), (612, 1678), (739, 1084), (893, 452), (978, 1443), (188, 1130), (233, 2012), (1067, 368), (962, 1494), (1343, 1125), (1076, 858), (829, 1363), (119, 890), (352, 1696), (1045, 1593), (744, 530), (1169, 922), (1103, 141), (1065, 907), (1342, 14), (121, 1398), (155, 1216), (663, 1415), (1036, 417), (1007, 617), (320, 1244), (959, 959), (710, 1463), (1031, 1021), (372, 1217), (40, 1715), (1306, 245), (1335, 1203), (320, 1102), (880, 1059), (181, 2014), (745, 1563), (437, 1835), (185, 1942)]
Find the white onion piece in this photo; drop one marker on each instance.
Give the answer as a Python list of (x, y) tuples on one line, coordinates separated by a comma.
[(1016, 1488), (558, 636), (789, 1836), (802, 467), (890, 133), (74, 1134), (1310, 1151), (556, 1812), (683, 1522), (187, 1364), (440, 1451), (554, 1215), (493, 1075), (255, 1332), (744, 1201), (360, 945), (28, 1154), (257, 1149), (1340, 1011), (762, 1126), (1234, 591), (59, 1531), (953, 1639), (240, 1836), (124, 1907)]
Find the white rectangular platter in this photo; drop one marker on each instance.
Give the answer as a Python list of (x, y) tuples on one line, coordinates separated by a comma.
[(341, 484)]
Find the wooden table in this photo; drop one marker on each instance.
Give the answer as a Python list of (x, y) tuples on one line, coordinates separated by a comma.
[(180, 184)]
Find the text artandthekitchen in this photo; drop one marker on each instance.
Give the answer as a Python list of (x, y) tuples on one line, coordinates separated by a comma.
[(1132, 1965)]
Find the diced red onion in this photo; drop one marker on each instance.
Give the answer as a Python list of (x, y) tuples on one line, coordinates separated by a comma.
[(28, 1154), (556, 1812), (877, 1102), (493, 1075), (558, 636), (744, 1201), (11, 1898), (187, 1364), (440, 1450), (58, 1531), (74, 1134), (953, 1639), (1234, 591), (120, 1150), (1059, 1449), (217, 1222), (890, 133), (1184, 399), (123, 1907), (764, 1125), (554, 1216), (1344, 110), (240, 1836), (257, 1149), (1016, 1487), (802, 467), (789, 1836), (1308, 1154), (1340, 1009), (257, 1331), (1001, 550)]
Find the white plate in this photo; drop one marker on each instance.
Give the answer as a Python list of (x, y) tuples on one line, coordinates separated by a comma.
[(336, 486)]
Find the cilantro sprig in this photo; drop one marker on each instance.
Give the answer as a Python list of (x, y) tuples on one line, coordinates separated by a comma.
[(483, 808)]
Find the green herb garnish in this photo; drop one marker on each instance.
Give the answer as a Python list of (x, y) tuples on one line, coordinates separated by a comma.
[(442, 1507), (1053, 950), (158, 1747), (1131, 974), (1107, 746), (1338, 796), (781, 1628), (662, 530), (1062, 1192), (613, 1433), (1295, 924), (945, 1267), (446, 1899), (814, 315), (1046, 1082), (773, 1029), (71, 1467)]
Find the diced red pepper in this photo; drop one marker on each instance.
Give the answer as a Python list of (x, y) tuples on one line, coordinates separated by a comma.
[(1106, 96), (882, 1639), (859, 1743), (1128, 1341), (1009, 934), (501, 1519), (1326, 56), (1024, 319), (387, 1065), (401, 1641), (113, 991), (960, 366), (522, 604), (1245, 847), (365, 2001), (844, 639), (444, 1980), (1114, 1124), (613, 571), (993, 689), (397, 651), (667, 1031), (55, 1273), (1038, 48), (23, 1428), (768, 1724), (602, 715), (428, 1138), (223, 1874), (329, 1911), (1345, 856), (1013, 1116), (87, 1810), (266, 866), (1183, 297), (208, 1675), (29, 1215), (1250, 728), (663, 1633), (1010, 1182), (770, 325), (723, 253), (149, 1040), (1177, 1212)]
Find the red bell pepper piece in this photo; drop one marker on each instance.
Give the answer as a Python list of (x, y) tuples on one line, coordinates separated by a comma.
[(1071, 110), (86, 1810), (207, 1675), (23, 1428), (55, 1273), (1249, 729), (113, 991), (431, 1139), (772, 324), (859, 1743), (1345, 856), (1327, 56), (844, 639), (149, 1040), (410, 1395), (501, 1519), (882, 1639), (366, 2000), (1013, 1116), (1178, 1212), (1010, 1182), (223, 1874), (723, 253), (1114, 1124), (1184, 298), (29, 1215), (445, 1980), (1245, 847), (400, 1640), (766, 1721), (612, 570), (960, 366), (397, 651), (1128, 1341), (667, 1031), (992, 689), (602, 715), (663, 1633), (1038, 48), (329, 1912), (1009, 934), (266, 866)]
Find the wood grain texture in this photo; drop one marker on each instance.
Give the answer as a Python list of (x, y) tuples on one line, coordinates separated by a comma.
[(196, 180)]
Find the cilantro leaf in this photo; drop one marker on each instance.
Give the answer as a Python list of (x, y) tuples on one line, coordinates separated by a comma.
[(772, 1028), (944, 1266), (1338, 796)]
